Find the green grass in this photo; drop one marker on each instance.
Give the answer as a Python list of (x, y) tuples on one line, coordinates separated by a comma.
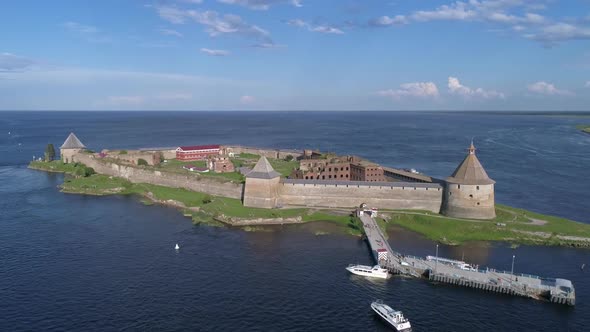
[(175, 166), (97, 184), (248, 156), (284, 167), (455, 231), (55, 166)]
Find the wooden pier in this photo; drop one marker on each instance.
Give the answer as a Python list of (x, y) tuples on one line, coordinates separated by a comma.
[(553, 290)]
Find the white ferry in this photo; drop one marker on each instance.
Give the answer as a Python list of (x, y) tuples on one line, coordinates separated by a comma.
[(393, 317), (459, 264), (368, 271)]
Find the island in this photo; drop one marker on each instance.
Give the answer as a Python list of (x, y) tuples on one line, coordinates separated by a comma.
[(584, 128), (250, 187)]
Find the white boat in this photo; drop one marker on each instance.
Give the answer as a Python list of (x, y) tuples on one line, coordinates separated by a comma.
[(177, 247), (393, 317), (368, 271)]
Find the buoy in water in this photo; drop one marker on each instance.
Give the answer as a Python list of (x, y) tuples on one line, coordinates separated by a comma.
[(177, 247)]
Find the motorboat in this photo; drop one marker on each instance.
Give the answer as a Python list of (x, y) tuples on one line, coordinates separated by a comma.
[(393, 317), (368, 271)]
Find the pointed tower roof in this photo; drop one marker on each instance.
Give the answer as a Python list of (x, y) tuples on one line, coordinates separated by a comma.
[(72, 142), (263, 170), (470, 171)]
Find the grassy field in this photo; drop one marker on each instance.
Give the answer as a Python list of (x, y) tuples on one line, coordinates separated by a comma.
[(511, 225), (175, 166), (284, 167), (54, 166)]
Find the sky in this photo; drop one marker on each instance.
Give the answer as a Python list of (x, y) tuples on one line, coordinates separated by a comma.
[(295, 55)]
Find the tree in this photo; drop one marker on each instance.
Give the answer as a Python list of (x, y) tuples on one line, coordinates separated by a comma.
[(207, 199), (289, 157), (49, 152), (142, 162)]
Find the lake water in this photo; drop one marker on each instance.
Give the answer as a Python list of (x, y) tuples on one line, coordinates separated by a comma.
[(71, 262)]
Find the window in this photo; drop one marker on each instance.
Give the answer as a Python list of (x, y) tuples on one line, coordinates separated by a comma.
[(330, 169), (477, 187), (323, 177), (477, 203), (329, 176), (458, 186), (471, 196)]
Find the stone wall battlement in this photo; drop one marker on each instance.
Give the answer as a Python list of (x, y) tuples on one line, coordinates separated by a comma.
[(140, 175)]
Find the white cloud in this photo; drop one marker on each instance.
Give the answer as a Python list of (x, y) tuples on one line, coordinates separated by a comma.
[(457, 11), (560, 32), (170, 32), (549, 89), (88, 32), (456, 88), (80, 27), (246, 100), (14, 63), (214, 52), (315, 28), (587, 84), (215, 24), (125, 100), (268, 45), (176, 96), (327, 29), (260, 4), (388, 21), (417, 89)]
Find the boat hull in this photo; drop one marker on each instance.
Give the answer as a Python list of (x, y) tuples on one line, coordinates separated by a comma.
[(371, 274), (403, 326)]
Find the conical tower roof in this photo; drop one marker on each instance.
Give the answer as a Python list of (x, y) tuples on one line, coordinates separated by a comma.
[(72, 142), (470, 171), (263, 170)]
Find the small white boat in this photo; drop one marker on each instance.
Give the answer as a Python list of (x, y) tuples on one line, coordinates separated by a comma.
[(177, 247), (393, 317), (368, 271)]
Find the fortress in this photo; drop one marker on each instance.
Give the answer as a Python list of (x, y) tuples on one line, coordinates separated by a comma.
[(467, 193)]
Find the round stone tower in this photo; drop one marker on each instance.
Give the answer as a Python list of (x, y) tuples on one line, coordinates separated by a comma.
[(469, 192)]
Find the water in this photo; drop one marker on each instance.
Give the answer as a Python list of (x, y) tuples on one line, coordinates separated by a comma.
[(70, 262)]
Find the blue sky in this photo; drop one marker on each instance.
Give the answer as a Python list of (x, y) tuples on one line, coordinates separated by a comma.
[(295, 55)]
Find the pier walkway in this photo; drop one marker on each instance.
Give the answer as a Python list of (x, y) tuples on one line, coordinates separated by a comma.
[(554, 290)]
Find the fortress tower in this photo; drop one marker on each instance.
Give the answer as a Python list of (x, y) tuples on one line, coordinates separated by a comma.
[(71, 147), (469, 192), (262, 184)]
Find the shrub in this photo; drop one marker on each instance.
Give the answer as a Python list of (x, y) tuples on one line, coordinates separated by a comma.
[(142, 162), (88, 171), (123, 152), (207, 199), (289, 157)]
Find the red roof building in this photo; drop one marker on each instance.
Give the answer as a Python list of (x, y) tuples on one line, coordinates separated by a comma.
[(196, 152)]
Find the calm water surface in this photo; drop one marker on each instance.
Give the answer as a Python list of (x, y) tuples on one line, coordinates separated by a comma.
[(70, 262)]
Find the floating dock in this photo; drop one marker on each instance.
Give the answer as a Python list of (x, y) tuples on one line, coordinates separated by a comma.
[(553, 290)]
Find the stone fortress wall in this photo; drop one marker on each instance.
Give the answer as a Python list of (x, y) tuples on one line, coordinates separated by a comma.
[(140, 175), (393, 195)]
